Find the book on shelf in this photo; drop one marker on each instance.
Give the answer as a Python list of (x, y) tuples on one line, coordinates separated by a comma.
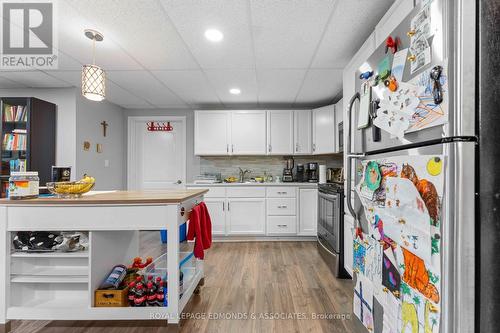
[(14, 141), (15, 113)]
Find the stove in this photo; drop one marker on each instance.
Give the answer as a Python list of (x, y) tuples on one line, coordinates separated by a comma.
[(331, 188)]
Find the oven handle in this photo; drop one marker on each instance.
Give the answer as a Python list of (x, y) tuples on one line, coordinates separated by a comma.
[(327, 196), (350, 156), (327, 250)]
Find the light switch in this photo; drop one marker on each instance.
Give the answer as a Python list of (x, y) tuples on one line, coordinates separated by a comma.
[(106, 163)]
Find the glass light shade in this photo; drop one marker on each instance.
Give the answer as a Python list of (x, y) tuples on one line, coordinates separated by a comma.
[(93, 83)]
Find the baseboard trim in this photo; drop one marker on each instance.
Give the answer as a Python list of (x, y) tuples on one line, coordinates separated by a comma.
[(223, 239)]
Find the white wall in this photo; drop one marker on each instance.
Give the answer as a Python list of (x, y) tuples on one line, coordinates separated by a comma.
[(192, 161), (89, 116), (65, 99)]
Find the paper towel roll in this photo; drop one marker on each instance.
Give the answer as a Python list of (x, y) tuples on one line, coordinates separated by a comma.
[(322, 173)]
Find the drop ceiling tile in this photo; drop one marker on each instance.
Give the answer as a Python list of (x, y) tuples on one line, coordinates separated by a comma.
[(80, 15), (142, 29), (143, 84), (35, 79), (279, 85), (320, 86), (351, 24), (73, 78), (286, 33), (244, 79), (192, 17), (138, 106), (192, 86), (7, 84)]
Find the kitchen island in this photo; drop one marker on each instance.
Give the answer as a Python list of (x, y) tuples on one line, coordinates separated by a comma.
[(61, 285)]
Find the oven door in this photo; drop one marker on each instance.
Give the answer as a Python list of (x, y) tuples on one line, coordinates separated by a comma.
[(329, 220)]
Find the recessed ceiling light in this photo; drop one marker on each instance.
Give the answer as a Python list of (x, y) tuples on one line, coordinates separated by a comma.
[(214, 35), (235, 91)]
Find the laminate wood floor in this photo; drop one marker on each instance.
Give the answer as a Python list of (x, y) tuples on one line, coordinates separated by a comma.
[(264, 279)]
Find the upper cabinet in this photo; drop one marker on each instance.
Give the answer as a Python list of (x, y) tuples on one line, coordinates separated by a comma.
[(248, 132), (324, 130), (280, 132), (211, 132), (339, 118), (302, 132)]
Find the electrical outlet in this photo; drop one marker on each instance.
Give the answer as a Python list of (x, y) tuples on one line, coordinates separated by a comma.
[(106, 163)]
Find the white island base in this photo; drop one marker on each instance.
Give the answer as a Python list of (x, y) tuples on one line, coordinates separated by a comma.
[(61, 286)]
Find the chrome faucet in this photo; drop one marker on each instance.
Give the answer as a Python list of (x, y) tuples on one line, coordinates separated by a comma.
[(242, 174)]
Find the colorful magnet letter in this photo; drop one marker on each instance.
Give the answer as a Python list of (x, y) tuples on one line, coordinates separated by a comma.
[(391, 83), (391, 43), (366, 75), (437, 90)]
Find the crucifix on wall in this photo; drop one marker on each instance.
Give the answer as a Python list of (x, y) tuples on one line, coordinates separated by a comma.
[(104, 125)]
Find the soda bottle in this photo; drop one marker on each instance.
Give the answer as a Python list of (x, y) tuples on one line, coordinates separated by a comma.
[(151, 294), (131, 293), (140, 296), (139, 281), (160, 292)]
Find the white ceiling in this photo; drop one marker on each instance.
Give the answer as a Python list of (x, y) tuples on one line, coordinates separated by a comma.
[(278, 52)]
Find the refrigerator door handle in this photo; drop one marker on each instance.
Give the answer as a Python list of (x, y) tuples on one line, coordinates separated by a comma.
[(350, 157)]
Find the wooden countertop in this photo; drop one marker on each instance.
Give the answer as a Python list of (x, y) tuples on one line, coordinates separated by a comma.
[(115, 198)]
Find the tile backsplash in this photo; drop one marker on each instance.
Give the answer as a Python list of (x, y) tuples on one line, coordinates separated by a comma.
[(228, 166)]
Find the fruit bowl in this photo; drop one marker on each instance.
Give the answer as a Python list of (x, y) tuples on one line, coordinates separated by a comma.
[(70, 189)]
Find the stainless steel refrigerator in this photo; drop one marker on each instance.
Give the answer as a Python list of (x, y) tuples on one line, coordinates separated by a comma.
[(453, 46)]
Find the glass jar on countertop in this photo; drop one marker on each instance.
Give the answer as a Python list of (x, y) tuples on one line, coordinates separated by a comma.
[(24, 185)]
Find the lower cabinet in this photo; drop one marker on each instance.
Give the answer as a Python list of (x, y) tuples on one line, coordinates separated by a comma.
[(217, 211), (246, 216), (281, 225), (308, 212)]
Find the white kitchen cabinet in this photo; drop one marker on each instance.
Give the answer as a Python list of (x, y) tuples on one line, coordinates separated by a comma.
[(324, 130), (339, 118), (246, 216), (248, 132), (212, 132), (308, 212), (217, 210), (280, 132), (348, 239), (302, 132)]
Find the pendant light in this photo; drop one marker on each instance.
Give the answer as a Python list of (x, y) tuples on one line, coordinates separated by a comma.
[(93, 77)]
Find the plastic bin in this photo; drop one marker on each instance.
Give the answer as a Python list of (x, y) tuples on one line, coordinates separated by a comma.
[(182, 234)]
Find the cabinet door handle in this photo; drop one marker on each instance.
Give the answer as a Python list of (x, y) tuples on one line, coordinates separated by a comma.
[(283, 206), (281, 192), (297, 147), (232, 148), (227, 148), (314, 147), (282, 225), (223, 206), (270, 148), (228, 206)]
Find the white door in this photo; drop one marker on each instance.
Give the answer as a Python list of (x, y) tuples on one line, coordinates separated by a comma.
[(303, 132), (280, 132), (246, 216), (308, 212), (156, 159), (211, 132), (324, 130), (217, 211), (248, 132)]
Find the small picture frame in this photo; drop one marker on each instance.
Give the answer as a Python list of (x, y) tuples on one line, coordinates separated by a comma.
[(86, 145), (99, 148)]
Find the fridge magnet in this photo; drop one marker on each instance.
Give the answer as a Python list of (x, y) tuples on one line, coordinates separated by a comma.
[(391, 278), (435, 166), (417, 313), (384, 68), (398, 64), (363, 301), (359, 254), (99, 148), (418, 277), (428, 113), (86, 145)]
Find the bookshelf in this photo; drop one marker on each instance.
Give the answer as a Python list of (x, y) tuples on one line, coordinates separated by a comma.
[(28, 134)]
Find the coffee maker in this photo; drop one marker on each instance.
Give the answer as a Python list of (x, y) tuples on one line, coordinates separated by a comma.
[(288, 170), (312, 172), (300, 175)]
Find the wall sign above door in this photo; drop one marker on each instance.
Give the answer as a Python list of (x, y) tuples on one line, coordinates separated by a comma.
[(159, 127)]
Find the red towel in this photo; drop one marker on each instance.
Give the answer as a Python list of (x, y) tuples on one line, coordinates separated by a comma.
[(200, 229)]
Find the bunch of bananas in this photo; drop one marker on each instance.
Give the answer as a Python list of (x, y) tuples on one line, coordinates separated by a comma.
[(231, 179), (79, 187)]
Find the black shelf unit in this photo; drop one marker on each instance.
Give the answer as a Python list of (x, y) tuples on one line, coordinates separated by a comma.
[(40, 137)]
